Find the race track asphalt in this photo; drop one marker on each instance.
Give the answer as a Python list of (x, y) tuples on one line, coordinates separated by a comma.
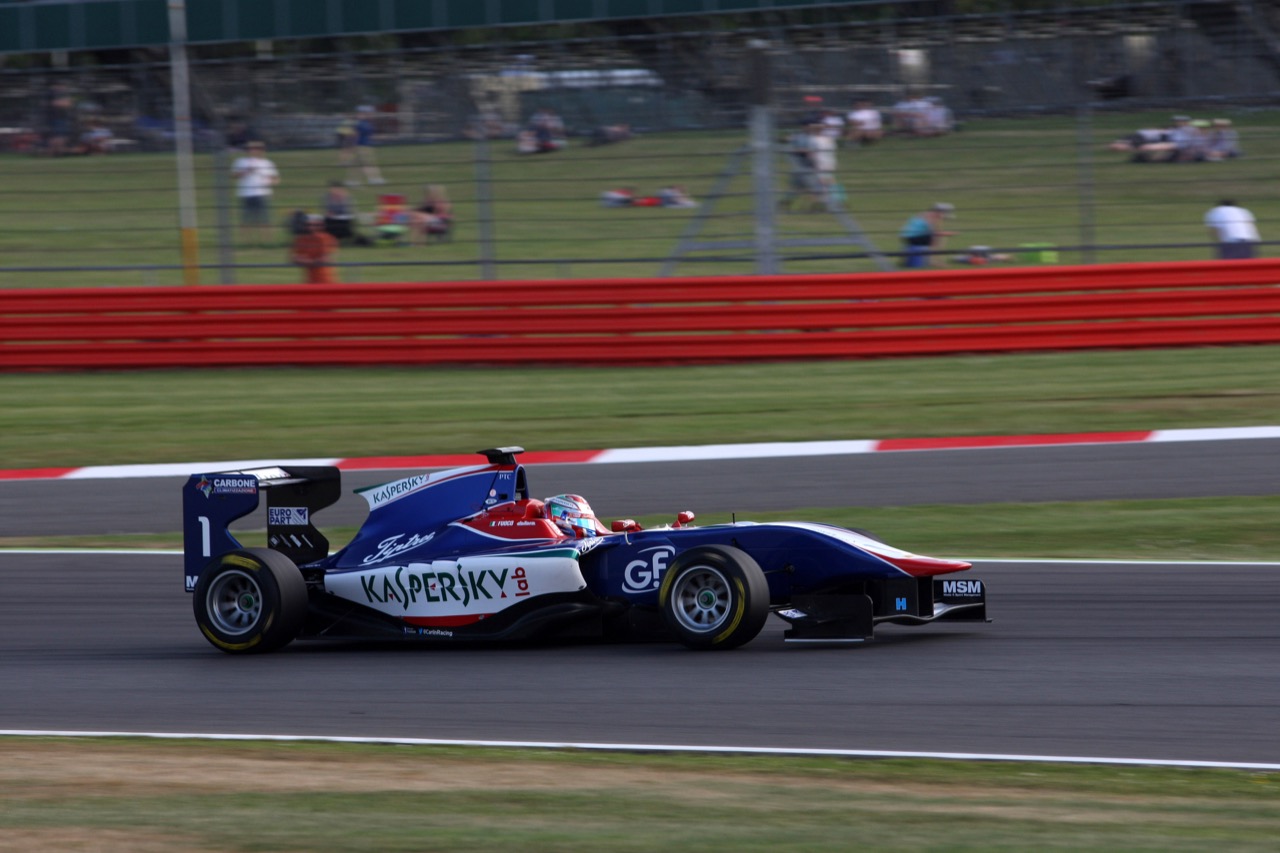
[(1160, 662)]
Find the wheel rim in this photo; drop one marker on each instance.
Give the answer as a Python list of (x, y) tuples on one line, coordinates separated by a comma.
[(701, 599), (234, 603)]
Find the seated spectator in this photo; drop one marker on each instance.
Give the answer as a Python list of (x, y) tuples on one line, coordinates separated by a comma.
[(1188, 141), (620, 197), (526, 142), (1149, 145), (340, 214), (1223, 142), (865, 124), (96, 139), (433, 217), (610, 133), (393, 219), (908, 114), (935, 118), (547, 130), (675, 196)]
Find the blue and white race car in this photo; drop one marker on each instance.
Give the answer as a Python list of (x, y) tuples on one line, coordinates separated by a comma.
[(466, 555)]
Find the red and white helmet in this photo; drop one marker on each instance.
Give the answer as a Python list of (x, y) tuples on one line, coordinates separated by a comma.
[(573, 515)]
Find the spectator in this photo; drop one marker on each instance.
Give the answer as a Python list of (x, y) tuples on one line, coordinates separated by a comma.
[(256, 178), (1188, 141), (865, 124), (1148, 145), (59, 120), (547, 132), (935, 118), (922, 236), (355, 149), (802, 177), (833, 125), (675, 196), (618, 197), (339, 213), (822, 151), (610, 133), (239, 135), (314, 251), (1223, 142), (96, 140), (434, 217), (908, 114), (1234, 229)]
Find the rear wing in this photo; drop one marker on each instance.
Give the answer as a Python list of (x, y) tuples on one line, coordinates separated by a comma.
[(212, 501)]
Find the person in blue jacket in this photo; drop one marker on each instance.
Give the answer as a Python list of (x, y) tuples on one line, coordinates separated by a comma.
[(923, 236)]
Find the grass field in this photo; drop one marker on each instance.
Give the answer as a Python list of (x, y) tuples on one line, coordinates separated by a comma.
[(1015, 181), (140, 796)]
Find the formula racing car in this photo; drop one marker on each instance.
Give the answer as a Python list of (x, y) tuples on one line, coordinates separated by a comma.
[(466, 555)]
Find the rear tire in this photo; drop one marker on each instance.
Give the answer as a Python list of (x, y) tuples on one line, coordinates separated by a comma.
[(250, 601), (714, 597)]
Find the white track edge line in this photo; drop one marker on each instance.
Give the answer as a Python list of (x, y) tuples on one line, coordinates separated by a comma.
[(663, 748)]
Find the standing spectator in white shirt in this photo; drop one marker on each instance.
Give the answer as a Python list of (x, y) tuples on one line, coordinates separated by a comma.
[(1234, 228), (256, 178), (822, 153)]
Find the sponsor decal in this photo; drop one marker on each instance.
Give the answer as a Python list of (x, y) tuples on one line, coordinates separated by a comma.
[(227, 486), (792, 613), (962, 589), (391, 491), (645, 574), (289, 516), (392, 546), (585, 545), (191, 582), (899, 604), (410, 584), (427, 632)]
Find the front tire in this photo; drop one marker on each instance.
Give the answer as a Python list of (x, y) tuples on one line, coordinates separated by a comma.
[(714, 597), (250, 601)]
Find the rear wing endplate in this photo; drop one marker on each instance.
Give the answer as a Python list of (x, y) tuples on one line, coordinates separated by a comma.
[(212, 501)]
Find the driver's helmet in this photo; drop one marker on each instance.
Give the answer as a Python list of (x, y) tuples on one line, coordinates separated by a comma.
[(573, 515)]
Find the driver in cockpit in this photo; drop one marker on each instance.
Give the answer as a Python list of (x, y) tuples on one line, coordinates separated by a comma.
[(573, 515)]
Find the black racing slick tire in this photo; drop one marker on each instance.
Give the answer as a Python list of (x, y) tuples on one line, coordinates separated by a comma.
[(250, 601), (714, 597)]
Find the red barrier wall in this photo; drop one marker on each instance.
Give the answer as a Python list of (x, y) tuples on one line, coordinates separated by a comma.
[(634, 321)]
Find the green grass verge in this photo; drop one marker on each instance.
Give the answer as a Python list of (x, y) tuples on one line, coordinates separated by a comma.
[(320, 797), (178, 416)]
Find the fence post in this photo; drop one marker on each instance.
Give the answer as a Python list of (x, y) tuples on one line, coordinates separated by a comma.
[(182, 139), (762, 150)]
